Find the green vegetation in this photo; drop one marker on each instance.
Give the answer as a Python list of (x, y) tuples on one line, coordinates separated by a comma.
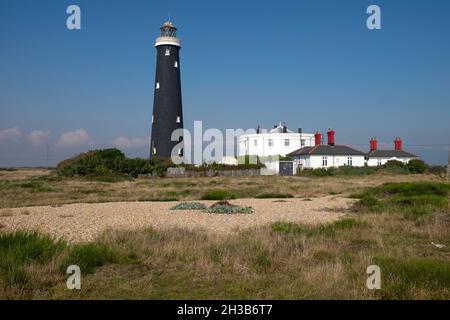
[(260, 263), (111, 162), (189, 206), (218, 194), (18, 250), (228, 208), (413, 200), (274, 195), (416, 166), (89, 256), (405, 276)]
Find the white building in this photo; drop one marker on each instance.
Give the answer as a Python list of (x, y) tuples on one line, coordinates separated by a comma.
[(327, 156), (377, 157), (278, 141)]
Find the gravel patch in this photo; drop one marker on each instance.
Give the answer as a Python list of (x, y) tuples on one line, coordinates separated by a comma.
[(83, 222)]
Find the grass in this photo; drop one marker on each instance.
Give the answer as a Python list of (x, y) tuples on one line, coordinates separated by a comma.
[(395, 220), (60, 190), (89, 256), (274, 195), (412, 200), (218, 195), (19, 249), (282, 261)]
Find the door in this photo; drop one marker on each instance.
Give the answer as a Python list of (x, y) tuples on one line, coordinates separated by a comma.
[(286, 168)]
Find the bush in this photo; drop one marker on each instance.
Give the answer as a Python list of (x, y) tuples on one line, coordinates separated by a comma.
[(230, 209), (416, 166), (411, 199), (111, 162), (269, 195), (218, 195), (189, 206)]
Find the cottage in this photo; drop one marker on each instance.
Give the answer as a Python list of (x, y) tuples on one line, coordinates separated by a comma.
[(377, 157), (327, 156)]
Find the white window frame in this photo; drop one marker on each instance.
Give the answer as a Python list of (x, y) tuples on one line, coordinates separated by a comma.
[(350, 161), (175, 64), (286, 142), (178, 119), (270, 142), (157, 85), (167, 52), (324, 161)]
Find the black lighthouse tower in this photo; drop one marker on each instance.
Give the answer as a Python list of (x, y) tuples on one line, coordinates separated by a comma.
[(167, 109)]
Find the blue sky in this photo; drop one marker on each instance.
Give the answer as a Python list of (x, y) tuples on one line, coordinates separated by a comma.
[(311, 63)]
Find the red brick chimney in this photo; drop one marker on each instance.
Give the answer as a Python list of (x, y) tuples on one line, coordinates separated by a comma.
[(318, 138), (398, 144), (373, 144), (330, 134)]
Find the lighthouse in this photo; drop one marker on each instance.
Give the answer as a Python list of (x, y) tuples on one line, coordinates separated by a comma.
[(167, 107)]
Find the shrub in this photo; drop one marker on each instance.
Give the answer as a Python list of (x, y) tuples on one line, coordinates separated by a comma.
[(189, 206), (229, 209), (218, 195), (274, 195), (416, 166), (411, 199), (111, 162)]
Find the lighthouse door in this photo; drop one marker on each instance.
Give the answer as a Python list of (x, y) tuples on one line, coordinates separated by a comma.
[(286, 168)]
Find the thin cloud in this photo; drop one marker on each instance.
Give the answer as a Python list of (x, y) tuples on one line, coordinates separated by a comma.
[(10, 134), (123, 142), (38, 137), (75, 138)]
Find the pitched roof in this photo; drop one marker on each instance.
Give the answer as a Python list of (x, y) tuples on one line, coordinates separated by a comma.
[(390, 154), (324, 149)]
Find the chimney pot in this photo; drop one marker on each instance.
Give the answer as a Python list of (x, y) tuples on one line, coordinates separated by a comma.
[(318, 138), (330, 134)]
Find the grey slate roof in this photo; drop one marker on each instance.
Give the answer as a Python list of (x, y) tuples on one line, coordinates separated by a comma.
[(390, 154), (327, 150)]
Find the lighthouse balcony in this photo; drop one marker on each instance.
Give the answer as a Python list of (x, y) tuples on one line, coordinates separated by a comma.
[(172, 41)]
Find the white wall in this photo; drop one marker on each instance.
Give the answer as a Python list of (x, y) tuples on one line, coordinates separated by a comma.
[(247, 145), (316, 161), (374, 162)]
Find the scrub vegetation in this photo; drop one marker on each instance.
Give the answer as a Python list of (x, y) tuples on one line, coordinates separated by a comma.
[(398, 222)]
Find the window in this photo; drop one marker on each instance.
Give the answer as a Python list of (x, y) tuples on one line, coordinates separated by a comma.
[(153, 117), (167, 52), (270, 141), (180, 152), (178, 119), (379, 162), (302, 142), (157, 85), (175, 64), (154, 150), (255, 143), (286, 142), (349, 161), (324, 162)]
